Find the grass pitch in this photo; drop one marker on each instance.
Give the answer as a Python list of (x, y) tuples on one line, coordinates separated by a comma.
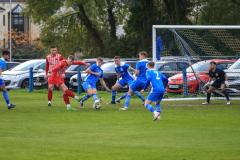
[(187, 131)]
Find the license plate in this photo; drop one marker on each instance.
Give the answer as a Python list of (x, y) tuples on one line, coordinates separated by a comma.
[(75, 84), (173, 86), (37, 84)]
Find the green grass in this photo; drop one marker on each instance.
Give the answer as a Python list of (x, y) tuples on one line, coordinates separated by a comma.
[(187, 131)]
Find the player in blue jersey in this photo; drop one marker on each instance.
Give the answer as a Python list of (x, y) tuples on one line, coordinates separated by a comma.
[(95, 73), (139, 83), (158, 82), (3, 67), (124, 78)]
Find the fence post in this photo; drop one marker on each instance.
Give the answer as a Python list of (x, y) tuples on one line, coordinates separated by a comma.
[(30, 83), (185, 86), (79, 89)]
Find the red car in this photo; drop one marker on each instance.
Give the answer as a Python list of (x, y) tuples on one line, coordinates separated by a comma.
[(194, 81)]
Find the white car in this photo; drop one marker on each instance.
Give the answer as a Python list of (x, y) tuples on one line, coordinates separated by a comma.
[(18, 77)]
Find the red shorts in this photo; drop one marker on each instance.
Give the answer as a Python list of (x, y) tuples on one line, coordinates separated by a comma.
[(56, 81)]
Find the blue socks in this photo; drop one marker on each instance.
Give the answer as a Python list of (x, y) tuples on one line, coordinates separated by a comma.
[(127, 101), (158, 108), (114, 95), (123, 96), (85, 97), (150, 107), (139, 95), (6, 98), (95, 97)]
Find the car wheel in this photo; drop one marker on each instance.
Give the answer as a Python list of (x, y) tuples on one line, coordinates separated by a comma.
[(25, 83)]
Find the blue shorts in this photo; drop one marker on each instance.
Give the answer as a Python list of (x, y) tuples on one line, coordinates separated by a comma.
[(155, 97), (124, 82), (86, 86), (2, 83), (137, 85)]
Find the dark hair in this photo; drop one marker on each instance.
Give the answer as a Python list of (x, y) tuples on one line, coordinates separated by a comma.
[(151, 64), (213, 62), (100, 59), (5, 52), (53, 46), (117, 57), (143, 53), (71, 57)]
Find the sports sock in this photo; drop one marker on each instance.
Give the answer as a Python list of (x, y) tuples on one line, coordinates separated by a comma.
[(95, 97), (208, 97), (66, 99), (150, 107), (127, 101), (85, 97), (6, 98), (70, 93), (50, 94), (226, 95), (158, 107), (114, 92), (122, 96), (139, 95)]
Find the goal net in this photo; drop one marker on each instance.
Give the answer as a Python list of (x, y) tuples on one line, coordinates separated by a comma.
[(198, 43)]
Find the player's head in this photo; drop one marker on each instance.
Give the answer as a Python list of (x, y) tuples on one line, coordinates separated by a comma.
[(150, 65), (53, 50), (117, 60), (142, 55), (99, 61), (70, 60), (213, 65), (6, 55)]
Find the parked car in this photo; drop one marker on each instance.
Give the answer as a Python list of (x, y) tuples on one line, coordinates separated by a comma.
[(109, 74), (195, 79), (18, 77), (233, 73), (40, 82), (170, 68)]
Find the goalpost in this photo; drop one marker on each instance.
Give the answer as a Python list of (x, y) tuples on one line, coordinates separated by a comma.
[(200, 41)]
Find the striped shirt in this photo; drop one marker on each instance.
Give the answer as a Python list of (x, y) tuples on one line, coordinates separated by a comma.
[(51, 61)]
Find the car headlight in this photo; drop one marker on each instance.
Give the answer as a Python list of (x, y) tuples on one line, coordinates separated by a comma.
[(192, 79)]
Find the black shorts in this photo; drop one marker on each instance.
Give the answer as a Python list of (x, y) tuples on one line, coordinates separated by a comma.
[(217, 83)]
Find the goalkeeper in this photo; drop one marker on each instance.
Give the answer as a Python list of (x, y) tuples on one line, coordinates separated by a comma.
[(217, 81)]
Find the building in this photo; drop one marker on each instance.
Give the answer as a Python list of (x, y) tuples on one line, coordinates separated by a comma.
[(20, 22)]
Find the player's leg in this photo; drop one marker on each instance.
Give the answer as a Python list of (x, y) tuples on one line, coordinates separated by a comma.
[(223, 88), (139, 95), (209, 93), (5, 95), (122, 97), (152, 97), (127, 100), (87, 88), (66, 94), (115, 88), (50, 94)]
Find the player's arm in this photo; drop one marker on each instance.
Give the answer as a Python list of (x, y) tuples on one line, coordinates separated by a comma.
[(89, 71), (137, 70), (47, 68), (103, 83), (132, 69), (82, 63), (164, 80), (148, 81), (57, 67)]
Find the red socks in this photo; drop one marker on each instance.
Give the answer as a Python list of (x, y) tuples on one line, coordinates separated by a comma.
[(69, 93), (50, 94), (66, 99)]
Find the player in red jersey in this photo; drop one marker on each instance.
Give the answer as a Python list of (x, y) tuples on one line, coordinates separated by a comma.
[(57, 79), (51, 61)]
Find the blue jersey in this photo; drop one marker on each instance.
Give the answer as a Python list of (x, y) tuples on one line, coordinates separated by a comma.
[(91, 78), (122, 70), (141, 66), (3, 64), (157, 80)]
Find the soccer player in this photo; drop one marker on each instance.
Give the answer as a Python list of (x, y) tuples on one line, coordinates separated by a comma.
[(218, 80), (95, 73), (3, 66), (125, 78), (139, 83), (158, 82), (57, 79), (51, 61)]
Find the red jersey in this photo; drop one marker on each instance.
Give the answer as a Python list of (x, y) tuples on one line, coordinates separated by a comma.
[(51, 61)]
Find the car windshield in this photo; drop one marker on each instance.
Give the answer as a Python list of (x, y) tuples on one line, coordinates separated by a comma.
[(199, 67), (27, 65), (236, 65)]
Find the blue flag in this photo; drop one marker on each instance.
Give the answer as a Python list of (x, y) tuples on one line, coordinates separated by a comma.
[(159, 47)]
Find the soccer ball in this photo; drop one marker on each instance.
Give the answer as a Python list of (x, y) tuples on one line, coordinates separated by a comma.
[(97, 105)]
